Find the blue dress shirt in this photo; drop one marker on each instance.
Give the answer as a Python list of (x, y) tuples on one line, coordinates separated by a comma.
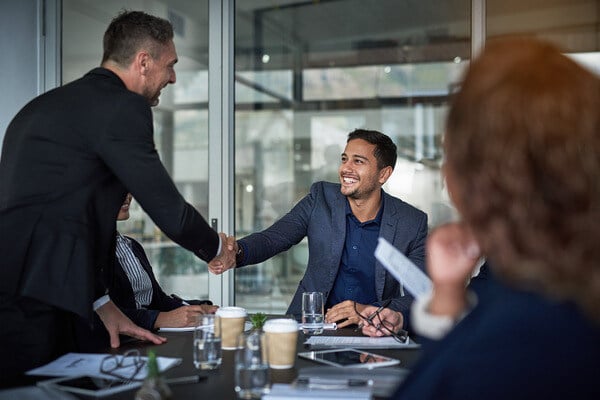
[(356, 275)]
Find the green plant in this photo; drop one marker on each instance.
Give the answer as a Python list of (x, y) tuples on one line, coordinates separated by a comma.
[(258, 320)]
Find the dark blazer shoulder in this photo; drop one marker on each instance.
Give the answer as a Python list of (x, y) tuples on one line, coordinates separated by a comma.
[(398, 205)]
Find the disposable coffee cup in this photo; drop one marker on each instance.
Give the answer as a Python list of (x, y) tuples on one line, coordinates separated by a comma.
[(281, 336), (232, 324)]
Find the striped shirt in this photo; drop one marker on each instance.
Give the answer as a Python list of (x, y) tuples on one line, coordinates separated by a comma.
[(138, 277)]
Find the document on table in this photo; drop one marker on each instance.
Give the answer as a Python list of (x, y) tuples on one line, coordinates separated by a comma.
[(403, 269), (282, 391), (74, 364), (327, 326), (247, 327), (362, 342)]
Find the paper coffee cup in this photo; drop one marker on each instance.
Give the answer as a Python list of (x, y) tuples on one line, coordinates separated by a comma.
[(232, 324), (282, 337)]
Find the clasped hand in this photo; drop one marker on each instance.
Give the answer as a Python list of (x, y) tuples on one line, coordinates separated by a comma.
[(226, 259)]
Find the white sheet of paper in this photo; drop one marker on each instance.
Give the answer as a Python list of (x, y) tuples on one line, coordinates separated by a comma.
[(72, 364), (327, 326), (401, 268), (247, 327), (361, 342)]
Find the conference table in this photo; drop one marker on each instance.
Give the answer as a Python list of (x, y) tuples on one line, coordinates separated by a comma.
[(219, 383)]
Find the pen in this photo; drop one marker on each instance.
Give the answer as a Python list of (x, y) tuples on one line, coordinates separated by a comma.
[(186, 379), (185, 303), (381, 307)]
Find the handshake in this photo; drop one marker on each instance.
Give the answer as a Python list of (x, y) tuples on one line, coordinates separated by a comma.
[(226, 258)]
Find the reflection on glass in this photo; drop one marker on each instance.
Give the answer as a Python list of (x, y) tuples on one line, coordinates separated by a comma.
[(391, 72)]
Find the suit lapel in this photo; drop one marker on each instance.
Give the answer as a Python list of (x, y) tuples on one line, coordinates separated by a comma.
[(338, 234), (389, 221)]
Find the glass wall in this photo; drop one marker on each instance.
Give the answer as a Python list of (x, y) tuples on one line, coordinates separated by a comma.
[(180, 121), (308, 73), (574, 25)]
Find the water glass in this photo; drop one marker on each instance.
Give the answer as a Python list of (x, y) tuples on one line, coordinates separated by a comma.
[(207, 342), (312, 313), (252, 378)]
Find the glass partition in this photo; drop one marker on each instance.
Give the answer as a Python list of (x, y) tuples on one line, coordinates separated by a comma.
[(308, 73)]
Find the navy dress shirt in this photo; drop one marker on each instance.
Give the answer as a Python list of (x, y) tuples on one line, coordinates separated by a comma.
[(356, 275)]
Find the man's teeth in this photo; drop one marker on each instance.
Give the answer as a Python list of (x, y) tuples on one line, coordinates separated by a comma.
[(349, 180)]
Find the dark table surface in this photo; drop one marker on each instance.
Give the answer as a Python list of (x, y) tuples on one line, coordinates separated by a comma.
[(219, 383)]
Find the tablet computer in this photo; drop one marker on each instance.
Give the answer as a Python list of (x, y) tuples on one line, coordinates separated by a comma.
[(349, 358), (90, 385)]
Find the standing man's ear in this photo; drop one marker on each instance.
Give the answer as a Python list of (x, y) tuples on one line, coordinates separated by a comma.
[(142, 62)]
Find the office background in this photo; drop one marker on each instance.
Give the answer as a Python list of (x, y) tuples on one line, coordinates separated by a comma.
[(266, 93)]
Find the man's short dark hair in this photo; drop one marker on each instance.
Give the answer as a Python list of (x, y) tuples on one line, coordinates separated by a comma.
[(385, 149), (131, 31)]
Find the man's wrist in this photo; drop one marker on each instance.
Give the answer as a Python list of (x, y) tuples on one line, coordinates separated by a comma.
[(239, 255), (101, 301)]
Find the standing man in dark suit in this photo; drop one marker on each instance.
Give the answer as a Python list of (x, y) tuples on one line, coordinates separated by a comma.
[(68, 159), (343, 223)]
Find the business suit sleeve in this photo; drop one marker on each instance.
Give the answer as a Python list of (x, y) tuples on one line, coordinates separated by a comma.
[(128, 150), (283, 234)]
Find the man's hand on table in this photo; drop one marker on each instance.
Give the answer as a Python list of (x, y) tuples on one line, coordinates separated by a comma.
[(117, 323), (384, 324)]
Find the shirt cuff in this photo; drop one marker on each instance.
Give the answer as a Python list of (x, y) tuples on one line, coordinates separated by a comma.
[(434, 326), (101, 301), (219, 248)]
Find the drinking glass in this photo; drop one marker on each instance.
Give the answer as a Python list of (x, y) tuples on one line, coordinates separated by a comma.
[(312, 313), (252, 378), (207, 342)]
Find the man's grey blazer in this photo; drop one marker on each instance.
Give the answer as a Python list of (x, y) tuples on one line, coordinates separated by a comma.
[(321, 217)]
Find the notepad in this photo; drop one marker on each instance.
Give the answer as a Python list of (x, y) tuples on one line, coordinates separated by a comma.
[(247, 327), (281, 391), (326, 326), (75, 364), (361, 342)]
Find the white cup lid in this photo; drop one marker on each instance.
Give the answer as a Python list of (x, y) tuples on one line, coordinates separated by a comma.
[(280, 325), (231, 312)]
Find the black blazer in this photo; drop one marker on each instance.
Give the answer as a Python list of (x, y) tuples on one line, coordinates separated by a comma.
[(121, 292), (68, 159)]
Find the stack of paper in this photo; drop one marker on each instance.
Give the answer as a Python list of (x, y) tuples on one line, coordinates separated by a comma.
[(73, 364), (281, 391), (360, 342)]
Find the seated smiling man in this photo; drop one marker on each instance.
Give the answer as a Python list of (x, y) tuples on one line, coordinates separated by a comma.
[(343, 223)]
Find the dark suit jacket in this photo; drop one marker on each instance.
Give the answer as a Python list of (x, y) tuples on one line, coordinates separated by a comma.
[(514, 345), (68, 159), (321, 217)]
